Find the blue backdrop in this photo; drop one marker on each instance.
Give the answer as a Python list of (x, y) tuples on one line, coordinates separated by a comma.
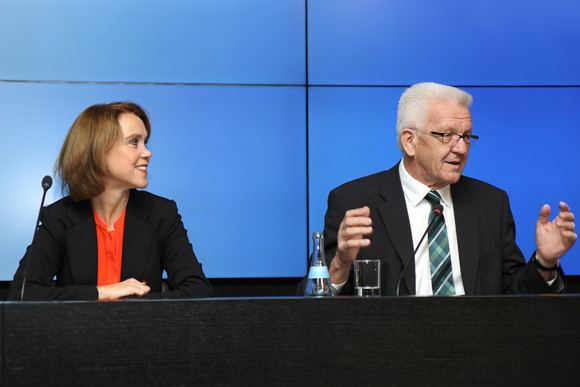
[(259, 108)]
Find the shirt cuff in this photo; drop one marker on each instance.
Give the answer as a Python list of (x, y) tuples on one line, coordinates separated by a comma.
[(338, 287), (553, 279)]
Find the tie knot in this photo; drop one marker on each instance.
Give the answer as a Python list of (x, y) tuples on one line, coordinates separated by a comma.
[(433, 198)]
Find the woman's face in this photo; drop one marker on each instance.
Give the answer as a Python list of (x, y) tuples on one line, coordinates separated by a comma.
[(128, 159)]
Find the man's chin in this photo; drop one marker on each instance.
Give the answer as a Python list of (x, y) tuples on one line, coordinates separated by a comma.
[(453, 178)]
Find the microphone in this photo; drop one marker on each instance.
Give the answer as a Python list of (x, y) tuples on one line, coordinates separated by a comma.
[(46, 184), (437, 218)]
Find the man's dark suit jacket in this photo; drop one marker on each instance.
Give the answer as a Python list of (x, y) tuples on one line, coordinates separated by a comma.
[(491, 262), (65, 246)]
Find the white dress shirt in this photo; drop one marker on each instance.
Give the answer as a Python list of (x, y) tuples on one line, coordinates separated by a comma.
[(419, 209)]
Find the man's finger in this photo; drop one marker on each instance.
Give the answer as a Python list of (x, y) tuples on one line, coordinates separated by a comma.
[(352, 232), (544, 214)]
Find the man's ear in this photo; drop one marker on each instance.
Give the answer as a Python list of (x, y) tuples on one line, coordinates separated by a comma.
[(408, 140)]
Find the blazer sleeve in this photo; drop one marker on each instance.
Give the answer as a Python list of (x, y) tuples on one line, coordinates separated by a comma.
[(185, 276), (46, 259)]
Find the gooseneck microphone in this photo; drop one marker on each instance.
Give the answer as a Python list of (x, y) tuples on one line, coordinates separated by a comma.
[(437, 218), (46, 184)]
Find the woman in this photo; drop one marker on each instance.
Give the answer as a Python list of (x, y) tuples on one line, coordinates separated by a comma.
[(106, 240)]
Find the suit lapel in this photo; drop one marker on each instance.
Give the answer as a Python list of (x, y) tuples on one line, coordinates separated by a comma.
[(393, 211), (137, 238), (467, 228), (82, 243)]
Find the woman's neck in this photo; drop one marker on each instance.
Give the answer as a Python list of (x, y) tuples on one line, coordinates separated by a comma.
[(109, 206)]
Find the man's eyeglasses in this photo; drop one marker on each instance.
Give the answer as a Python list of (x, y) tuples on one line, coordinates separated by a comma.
[(452, 138)]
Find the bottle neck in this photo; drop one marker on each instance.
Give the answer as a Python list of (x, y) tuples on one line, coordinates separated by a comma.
[(318, 258)]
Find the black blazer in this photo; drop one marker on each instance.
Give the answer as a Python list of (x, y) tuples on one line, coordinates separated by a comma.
[(65, 246), (491, 262)]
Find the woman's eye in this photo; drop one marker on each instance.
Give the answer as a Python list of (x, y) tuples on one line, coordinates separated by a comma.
[(133, 142)]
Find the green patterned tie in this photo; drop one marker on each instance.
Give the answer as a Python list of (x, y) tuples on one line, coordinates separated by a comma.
[(441, 274)]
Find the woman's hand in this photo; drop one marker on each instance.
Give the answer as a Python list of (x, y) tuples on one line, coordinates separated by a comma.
[(130, 287)]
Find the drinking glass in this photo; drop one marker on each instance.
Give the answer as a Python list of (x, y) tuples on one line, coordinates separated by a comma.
[(367, 277)]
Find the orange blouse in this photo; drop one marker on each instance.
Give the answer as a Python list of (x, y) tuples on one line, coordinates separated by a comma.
[(110, 250)]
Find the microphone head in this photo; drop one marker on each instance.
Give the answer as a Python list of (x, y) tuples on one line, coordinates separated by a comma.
[(46, 182)]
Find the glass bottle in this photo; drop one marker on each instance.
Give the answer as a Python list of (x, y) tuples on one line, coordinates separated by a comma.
[(318, 281)]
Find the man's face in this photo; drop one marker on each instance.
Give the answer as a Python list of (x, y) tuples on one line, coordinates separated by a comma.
[(436, 164)]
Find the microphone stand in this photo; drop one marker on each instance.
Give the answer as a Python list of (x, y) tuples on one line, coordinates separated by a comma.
[(46, 184), (437, 218)]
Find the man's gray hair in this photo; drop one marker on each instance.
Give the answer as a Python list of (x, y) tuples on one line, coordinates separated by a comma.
[(414, 104)]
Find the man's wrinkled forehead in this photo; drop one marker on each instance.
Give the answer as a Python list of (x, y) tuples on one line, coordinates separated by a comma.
[(449, 116)]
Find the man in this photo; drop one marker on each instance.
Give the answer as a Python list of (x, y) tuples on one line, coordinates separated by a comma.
[(384, 216)]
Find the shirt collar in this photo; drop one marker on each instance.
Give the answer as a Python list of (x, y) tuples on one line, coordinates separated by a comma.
[(415, 191)]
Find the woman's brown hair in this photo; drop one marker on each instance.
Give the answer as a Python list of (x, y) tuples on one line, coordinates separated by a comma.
[(81, 164)]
